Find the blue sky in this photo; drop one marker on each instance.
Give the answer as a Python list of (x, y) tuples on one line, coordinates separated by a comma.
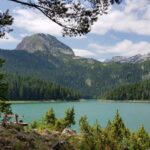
[(124, 31)]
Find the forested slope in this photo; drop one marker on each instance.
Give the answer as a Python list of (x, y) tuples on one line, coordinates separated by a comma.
[(136, 91), (27, 88), (90, 77)]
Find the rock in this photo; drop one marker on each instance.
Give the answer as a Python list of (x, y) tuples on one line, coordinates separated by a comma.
[(133, 59), (46, 44), (24, 137), (68, 132), (62, 145)]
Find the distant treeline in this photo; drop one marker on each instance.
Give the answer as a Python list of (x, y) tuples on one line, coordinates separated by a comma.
[(27, 88), (136, 91)]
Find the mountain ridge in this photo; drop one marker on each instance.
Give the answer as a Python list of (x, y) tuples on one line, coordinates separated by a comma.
[(133, 59)]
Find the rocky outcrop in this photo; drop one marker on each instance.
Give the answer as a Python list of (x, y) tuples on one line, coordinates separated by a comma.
[(14, 139), (134, 59), (44, 43)]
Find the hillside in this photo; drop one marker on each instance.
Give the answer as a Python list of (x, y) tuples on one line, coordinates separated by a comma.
[(136, 91), (27, 88), (92, 78)]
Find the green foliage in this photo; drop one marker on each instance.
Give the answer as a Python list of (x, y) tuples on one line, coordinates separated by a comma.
[(27, 88), (140, 140), (49, 121), (69, 118), (34, 125), (4, 107), (50, 118), (5, 21), (114, 137), (136, 91), (91, 78), (84, 126), (118, 129), (67, 121), (64, 13), (60, 125)]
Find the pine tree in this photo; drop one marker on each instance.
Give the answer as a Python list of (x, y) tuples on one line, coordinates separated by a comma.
[(5, 21), (49, 117), (4, 107), (69, 118)]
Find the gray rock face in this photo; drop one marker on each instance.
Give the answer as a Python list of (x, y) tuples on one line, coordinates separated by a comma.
[(44, 43), (134, 59)]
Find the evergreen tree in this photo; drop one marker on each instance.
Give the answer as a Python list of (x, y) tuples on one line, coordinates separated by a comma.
[(27, 88), (5, 21), (118, 128), (134, 91), (84, 125), (69, 118), (4, 107), (50, 118)]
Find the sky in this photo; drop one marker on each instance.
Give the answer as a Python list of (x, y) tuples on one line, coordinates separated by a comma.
[(124, 31)]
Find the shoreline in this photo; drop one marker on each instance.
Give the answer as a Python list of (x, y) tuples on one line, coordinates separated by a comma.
[(126, 101), (40, 101), (81, 100)]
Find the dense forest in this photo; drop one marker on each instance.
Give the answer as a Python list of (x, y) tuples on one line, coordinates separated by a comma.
[(27, 88), (90, 77), (136, 91)]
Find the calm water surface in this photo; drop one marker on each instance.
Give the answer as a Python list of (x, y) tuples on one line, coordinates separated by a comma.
[(133, 114)]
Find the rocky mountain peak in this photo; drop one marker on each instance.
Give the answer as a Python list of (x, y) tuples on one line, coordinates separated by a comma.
[(133, 59), (44, 43)]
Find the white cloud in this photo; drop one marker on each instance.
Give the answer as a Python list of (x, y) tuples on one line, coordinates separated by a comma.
[(8, 39), (95, 46), (129, 17), (35, 22), (132, 17), (22, 35), (84, 53), (124, 48), (128, 48)]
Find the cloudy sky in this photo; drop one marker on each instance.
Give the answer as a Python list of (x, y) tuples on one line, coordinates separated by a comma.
[(124, 31)]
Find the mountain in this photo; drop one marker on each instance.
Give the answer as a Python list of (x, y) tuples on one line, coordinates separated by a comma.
[(134, 59), (44, 43), (54, 64)]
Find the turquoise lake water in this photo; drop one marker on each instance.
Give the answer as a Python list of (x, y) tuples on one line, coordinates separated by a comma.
[(133, 114)]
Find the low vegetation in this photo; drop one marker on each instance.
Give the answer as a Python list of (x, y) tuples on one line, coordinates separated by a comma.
[(49, 121), (48, 135)]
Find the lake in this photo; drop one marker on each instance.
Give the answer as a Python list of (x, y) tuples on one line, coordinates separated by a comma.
[(133, 114)]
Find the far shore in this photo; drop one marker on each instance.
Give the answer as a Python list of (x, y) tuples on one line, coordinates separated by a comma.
[(126, 101), (81, 100), (42, 101)]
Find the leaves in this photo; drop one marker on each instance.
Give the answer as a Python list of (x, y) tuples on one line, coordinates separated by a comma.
[(4, 106), (6, 20), (75, 17)]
